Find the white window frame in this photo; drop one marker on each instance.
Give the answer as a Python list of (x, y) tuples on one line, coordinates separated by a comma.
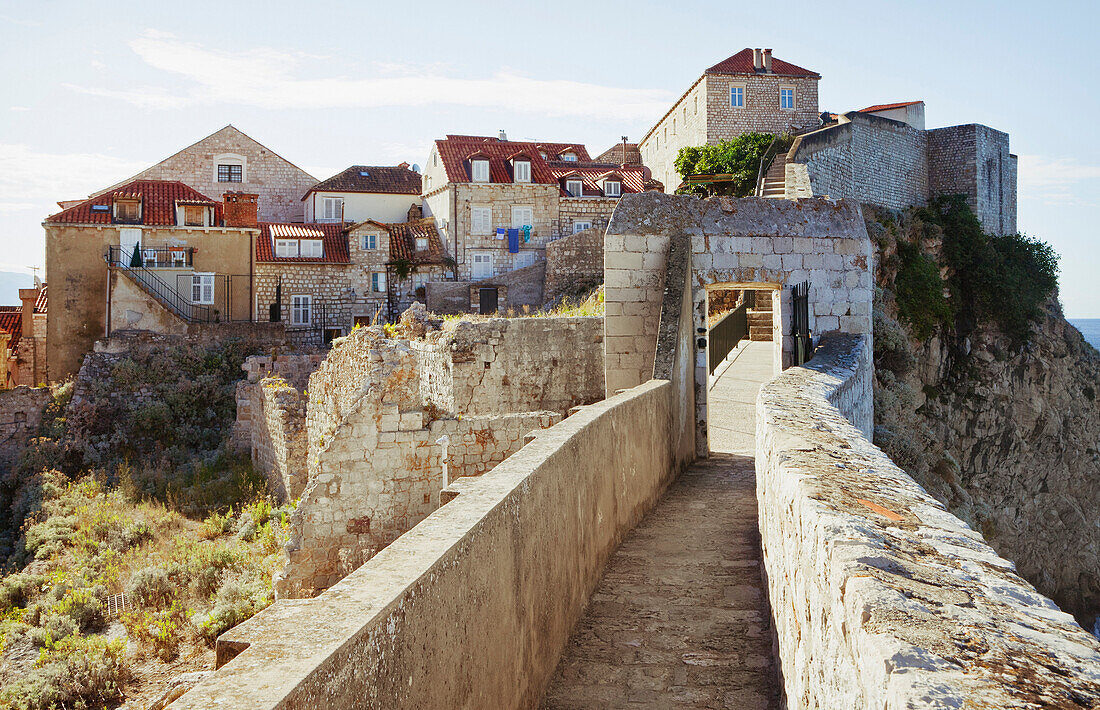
[(612, 188), (521, 171), (569, 157), (581, 226), (231, 159), (794, 98), (286, 248), (421, 244), (523, 259), (579, 192), (204, 282), (518, 211), (301, 309), (481, 220), (740, 93), (313, 248), (378, 282), (332, 209), (370, 241), (479, 170), (477, 259)]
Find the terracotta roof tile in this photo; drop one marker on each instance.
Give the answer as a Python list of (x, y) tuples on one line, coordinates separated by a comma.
[(335, 242), (158, 201), (455, 151), (741, 63), (403, 237), (11, 322), (42, 301), (887, 107), (377, 178), (590, 173)]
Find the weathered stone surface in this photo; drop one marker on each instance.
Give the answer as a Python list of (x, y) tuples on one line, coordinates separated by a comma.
[(880, 597)]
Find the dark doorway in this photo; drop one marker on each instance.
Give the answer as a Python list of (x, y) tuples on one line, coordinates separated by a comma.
[(487, 301)]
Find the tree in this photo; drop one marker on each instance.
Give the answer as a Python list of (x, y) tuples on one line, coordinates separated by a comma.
[(739, 157)]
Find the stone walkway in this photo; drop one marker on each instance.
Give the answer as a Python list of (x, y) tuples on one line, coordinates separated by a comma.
[(680, 618)]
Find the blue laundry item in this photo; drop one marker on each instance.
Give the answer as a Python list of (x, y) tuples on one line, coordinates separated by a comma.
[(527, 233), (513, 241), (500, 232)]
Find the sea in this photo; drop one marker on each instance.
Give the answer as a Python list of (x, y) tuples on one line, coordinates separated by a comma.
[(1090, 328)]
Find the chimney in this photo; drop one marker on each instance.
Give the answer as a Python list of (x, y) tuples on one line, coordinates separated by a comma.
[(239, 209), (28, 296), (502, 135), (757, 59), (768, 61), (403, 165), (414, 213)]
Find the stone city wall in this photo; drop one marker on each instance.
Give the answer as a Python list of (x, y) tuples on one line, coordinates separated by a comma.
[(881, 598), (574, 265), (974, 160), (473, 606), (20, 415)]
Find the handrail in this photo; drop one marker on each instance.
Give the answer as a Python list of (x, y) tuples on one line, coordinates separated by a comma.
[(767, 158), (158, 288), (724, 335)]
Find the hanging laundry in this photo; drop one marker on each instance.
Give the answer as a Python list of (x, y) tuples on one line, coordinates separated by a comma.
[(526, 233), (500, 232), (513, 241)]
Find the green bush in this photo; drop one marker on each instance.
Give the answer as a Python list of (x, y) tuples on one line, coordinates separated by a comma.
[(920, 289), (739, 157), (74, 672), (49, 537), (232, 606), (151, 587)]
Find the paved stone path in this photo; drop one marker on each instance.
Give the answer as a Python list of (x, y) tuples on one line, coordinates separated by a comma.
[(680, 618)]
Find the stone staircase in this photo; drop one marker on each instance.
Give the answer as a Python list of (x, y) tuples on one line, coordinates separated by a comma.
[(760, 317), (775, 181)]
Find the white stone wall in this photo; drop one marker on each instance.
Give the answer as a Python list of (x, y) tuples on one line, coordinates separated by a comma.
[(880, 598)]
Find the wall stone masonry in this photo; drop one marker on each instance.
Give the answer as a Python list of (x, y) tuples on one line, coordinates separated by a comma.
[(880, 598), (20, 415), (574, 265)]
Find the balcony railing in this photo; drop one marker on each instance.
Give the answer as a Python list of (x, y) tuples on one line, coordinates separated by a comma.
[(165, 257)]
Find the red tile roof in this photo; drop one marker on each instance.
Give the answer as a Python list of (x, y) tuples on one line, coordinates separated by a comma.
[(741, 63), (158, 203), (590, 173), (455, 151), (395, 179), (403, 237), (332, 235), (887, 107), (11, 322), (621, 154), (42, 302)]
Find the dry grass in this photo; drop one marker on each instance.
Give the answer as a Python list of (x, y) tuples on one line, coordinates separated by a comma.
[(593, 305)]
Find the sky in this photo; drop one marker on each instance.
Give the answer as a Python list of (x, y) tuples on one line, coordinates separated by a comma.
[(96, 91)]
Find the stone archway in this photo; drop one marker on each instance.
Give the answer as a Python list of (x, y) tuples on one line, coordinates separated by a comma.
[(657, 246)]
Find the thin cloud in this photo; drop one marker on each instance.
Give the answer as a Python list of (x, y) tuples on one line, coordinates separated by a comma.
[(1055, 181), (33, 180), (270, 78)]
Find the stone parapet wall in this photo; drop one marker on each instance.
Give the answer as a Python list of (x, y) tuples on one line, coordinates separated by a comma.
[(20, 416), (518, 290), (881, 598), (278, 437), (574, 264), (473, 606)]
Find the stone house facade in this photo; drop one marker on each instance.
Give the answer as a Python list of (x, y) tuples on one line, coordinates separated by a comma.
[(230, 160), (153, 255), (750, 91), (479, 188)]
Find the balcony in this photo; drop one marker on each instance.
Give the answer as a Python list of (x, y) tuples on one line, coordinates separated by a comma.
[(165, 257)]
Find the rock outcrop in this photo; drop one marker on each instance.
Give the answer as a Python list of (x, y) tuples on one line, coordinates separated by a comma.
[(1006, 434)]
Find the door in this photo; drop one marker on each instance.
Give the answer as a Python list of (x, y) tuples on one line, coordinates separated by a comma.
[(129, 240), (487, 301)]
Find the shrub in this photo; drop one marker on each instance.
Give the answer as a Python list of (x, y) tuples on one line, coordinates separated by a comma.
[(49, 537), (739, 157), (158, 632), (84, 607), (75, 672), (920, 291), (217, 524), (151, 587), (18, 589), (232, 606)]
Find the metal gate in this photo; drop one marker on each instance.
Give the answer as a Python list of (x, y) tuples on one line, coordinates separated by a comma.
[(488, 300), (800, 323)]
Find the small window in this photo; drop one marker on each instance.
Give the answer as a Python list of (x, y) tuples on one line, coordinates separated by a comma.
[(230, 173), (128, 211), (674, 126), (523, 259), (378, 282), (312, 248), (370, 241), (481, 265), (522, 171), (332, 209), (286, 248), (581, 226), (522, 217), (737, 97), (301, 310), (101, 208), (612, 188), (786, 97), (569, 157), (194, 216), (479, 170), (422, 244), (481, 220), (574, 187), (696, 100), (202, 288)]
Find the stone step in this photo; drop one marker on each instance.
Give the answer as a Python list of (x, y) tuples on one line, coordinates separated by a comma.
[(763, 302), (760, 336)]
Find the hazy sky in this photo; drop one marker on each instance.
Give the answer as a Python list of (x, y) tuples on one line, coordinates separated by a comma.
[(95, 91)]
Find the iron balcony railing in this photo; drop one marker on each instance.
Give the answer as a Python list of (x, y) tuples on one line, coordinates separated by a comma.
[(166, 293), (724, 335), (165, 257)]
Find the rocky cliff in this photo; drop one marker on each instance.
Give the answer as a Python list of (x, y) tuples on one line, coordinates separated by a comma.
[(1001, 423)]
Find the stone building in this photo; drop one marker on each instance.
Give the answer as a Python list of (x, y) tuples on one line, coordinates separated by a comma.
[(750, 92), (381, 192), (230, 160), (24, 353), (497, 203), (153, 255)]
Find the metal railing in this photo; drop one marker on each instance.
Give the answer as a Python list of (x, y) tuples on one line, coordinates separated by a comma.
[(165, 257), (168, 295), (800, 323), (724, 335), (766, 163)]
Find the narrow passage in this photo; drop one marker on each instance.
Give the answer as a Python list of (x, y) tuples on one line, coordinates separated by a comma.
[(680, 618)]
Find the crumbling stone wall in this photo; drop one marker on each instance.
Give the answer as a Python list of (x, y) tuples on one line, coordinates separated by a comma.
[(574, 264), (379, 410), (880, 597), (20, 415)]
